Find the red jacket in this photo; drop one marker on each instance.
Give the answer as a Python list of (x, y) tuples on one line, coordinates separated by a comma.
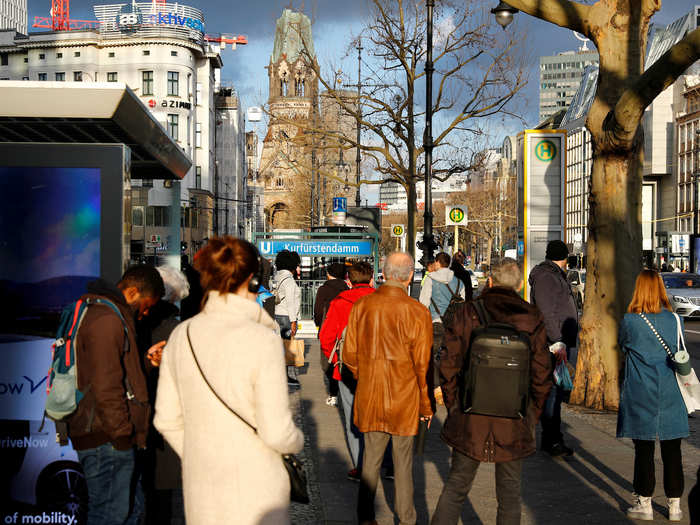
[(337, 319)]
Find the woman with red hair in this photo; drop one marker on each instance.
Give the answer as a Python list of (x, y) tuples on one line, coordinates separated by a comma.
[(651, 405)]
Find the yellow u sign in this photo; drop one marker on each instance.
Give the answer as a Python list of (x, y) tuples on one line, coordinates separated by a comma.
[(545, 150)]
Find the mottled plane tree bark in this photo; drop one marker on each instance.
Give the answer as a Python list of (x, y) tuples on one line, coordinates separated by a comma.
[(619, 29)]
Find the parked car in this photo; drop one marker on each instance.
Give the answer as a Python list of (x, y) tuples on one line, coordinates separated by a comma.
[(475, 281), (683, 291), (577, 280)]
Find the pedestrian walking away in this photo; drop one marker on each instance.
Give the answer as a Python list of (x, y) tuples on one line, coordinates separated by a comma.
[(387, 348), (551, 293), (651, 405), (113, 416), (462, 274), (335, 283), (475, 438), (287, 298), (360, 275), (231, 473)]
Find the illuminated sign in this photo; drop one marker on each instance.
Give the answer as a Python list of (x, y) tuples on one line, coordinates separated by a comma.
[(130, 18)]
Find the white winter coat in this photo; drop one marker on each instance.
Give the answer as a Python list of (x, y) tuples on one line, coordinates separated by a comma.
[(230, 474)]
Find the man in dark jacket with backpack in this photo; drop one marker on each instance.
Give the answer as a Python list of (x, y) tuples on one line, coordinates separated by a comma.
[(480, 438), (113, 416), (551, 293)]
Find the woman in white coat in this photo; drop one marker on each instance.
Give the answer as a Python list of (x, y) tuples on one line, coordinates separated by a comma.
[(230, 473)]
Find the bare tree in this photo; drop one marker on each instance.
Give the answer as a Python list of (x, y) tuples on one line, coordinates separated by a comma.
[(619, 30), (477, 73)]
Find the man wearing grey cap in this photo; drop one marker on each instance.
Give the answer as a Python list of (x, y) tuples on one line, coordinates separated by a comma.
[(551, 293)]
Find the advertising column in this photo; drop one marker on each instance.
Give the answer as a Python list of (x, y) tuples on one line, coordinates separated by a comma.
[(541, 200)]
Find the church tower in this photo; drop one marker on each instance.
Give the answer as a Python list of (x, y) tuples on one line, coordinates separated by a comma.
[(293, 98)]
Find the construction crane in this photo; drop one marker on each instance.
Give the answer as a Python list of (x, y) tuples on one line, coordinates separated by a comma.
[(59, 20)]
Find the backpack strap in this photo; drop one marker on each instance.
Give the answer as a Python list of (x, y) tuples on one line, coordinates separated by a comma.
[(453, 296), (484, 317)]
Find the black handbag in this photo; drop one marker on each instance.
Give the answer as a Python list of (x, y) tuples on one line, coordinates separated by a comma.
[(295, 468)]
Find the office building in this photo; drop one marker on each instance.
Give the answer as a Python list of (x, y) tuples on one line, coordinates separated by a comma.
[(560, 76), (13, 15)]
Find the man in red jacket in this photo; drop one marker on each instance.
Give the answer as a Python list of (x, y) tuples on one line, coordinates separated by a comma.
[(360, 275)]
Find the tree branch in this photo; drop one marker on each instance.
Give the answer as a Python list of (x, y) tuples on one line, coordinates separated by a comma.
[(564, 13)]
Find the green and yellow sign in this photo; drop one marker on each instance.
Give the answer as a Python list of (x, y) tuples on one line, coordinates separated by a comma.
[(455, 215), (545, 150), (397, 230)]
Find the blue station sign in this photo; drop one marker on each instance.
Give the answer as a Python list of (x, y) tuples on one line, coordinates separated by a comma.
[(316, 248)]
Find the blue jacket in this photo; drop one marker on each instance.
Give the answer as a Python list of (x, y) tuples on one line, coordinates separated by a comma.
[(650, 403), (435, 287)]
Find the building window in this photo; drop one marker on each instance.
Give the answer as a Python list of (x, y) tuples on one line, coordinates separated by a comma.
[(78, 76), (158, 216), (59, 55), (146, 52), (198, 93), (26, 60), (189, 86), (137, 216), (112, 77), (172, 126), (60, 77), (198, 135), (173, 81), (198, 177), (189, 120), (146, 183), (4, 60), (41, 76), (173, 53), (42, 56), (147, 84), (76, 54), (25, 78), (111, 54)]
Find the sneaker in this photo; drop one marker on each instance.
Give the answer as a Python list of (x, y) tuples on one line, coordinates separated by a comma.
[(674, 509), (559, 449), (642, 509), (389, 473), (332, 401), (354, 475), (293, 382)]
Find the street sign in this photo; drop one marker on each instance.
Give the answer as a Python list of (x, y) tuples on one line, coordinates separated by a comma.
[(155, 238), (398, 230), (455, 215), (340, 210), (317, 248), (545, 150), (151, 244)]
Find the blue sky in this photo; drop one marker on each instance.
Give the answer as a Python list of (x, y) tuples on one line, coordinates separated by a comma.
[(334, 23)]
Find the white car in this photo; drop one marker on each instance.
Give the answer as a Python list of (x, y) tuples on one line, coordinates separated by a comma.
[(683, 291), (475, 281)]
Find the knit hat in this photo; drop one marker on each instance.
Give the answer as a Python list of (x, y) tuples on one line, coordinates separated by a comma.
[(556, 251)]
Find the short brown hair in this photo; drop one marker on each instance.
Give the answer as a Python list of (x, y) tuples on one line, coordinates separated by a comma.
[(225, 263), (443, 259), (360, 273), (649, 294)]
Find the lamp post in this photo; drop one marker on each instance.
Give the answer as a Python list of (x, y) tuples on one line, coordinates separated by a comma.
[(428, 244), (504, 14)]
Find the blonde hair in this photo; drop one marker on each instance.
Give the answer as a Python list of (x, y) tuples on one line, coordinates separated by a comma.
[(649, 294)]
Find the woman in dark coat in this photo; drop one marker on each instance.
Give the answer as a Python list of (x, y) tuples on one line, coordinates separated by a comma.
[(651, 405)]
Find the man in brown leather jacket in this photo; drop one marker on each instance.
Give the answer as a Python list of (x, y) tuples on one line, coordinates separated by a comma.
[(479, 439), (387, 348), (109, 422)]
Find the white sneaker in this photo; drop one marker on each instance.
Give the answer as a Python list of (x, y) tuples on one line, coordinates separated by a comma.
[(642, 510), (674, 509), (332, 401)]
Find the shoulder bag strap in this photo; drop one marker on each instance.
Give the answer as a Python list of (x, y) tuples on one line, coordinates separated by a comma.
[(658, 336), (189, 340), (679, 335), (484, 317)]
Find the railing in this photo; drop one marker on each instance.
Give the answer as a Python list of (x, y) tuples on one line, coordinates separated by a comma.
[(308, 297)]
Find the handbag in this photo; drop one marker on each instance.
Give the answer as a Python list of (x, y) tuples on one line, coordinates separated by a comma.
[(687, 382), (295, 468)]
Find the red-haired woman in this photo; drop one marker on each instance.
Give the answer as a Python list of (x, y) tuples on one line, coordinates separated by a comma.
[(651, 405), (231, 474)]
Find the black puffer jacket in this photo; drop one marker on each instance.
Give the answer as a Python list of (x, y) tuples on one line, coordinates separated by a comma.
[(325, 294), (550, 292)]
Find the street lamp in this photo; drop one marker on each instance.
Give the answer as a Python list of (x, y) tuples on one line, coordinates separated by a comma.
[(696, 176), (504, 14)]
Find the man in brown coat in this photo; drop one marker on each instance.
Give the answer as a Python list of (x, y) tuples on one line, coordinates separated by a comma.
[(476, 438), (387, 348)]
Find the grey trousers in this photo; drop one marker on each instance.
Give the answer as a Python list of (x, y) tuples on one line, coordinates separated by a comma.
[(351, 433), (402, 454), (459, 482)]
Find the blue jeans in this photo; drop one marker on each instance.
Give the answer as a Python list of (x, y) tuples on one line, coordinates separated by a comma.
[(353, 435), (114, 494), (285, 326)]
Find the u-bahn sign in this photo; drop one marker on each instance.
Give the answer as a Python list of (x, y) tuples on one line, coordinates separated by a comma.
[(456, 215)]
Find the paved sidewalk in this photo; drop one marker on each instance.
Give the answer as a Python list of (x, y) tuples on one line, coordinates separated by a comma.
[(593, 487)]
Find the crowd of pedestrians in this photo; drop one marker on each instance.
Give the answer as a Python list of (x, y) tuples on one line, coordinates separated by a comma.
[(194, 401)]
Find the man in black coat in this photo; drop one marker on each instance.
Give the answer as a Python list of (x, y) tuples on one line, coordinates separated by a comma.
[(462, 274), (328, 291), (551, 293)]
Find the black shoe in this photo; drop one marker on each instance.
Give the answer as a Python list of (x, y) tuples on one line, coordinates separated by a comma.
[(389, 474), (354, 475), (293, 382), (559, 449)]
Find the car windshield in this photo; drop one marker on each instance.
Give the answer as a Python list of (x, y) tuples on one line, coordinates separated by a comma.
[(681, 281)]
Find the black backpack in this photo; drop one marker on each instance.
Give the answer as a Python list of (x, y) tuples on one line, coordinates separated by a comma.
[(456, 302), (495, 379)]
